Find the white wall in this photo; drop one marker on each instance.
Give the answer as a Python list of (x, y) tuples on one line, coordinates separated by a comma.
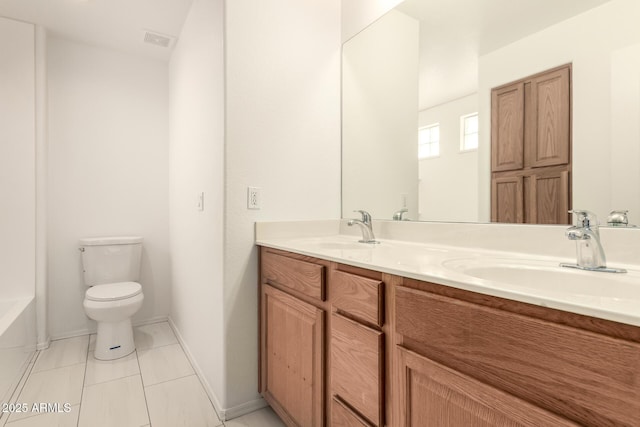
[(17, 159), (108, 171), (197, 165), (448, 183), (589, 41), (380, 118), (625, 130), (283, 135), (358, 14)]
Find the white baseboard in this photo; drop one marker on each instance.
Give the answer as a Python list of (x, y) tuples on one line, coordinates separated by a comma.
[(224, 414), (245, 408), (72, 334), (151, 320), (43, 345), (92, 330)]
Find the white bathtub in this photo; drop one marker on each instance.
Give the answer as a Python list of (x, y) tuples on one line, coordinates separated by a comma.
[(17, 342)]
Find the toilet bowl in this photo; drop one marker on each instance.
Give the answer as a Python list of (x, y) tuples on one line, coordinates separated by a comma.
[(111, 268), (112, 305)]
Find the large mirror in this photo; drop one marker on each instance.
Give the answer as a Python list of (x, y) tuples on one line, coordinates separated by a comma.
[(432, 62)]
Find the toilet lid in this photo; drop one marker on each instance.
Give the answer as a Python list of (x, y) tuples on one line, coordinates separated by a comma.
[(113, 291)]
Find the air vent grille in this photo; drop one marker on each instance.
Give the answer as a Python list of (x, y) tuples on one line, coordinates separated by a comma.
[(158, 39)]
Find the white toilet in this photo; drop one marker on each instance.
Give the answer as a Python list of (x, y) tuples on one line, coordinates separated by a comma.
[(112, 269)]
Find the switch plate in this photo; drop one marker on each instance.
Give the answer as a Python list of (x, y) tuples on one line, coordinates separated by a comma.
[(253, 198), (200, 201)]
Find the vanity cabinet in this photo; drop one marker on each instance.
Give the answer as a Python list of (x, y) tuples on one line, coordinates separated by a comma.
[(343, 346), (292, 336)]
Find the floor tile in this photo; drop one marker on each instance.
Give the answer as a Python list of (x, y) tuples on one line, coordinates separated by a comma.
[(60, 385), (181, 402), (153, 335), (264, 417), (99, 371), (66, 352), (92, 342), (55, 419), (163, 364), (115, 403)]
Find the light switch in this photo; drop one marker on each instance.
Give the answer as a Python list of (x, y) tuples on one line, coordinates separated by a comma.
[(200, 201)]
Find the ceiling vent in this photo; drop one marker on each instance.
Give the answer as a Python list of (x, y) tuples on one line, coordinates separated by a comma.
[(158, 39)]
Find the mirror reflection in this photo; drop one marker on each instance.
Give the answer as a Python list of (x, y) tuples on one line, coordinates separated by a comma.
[(417, 108)]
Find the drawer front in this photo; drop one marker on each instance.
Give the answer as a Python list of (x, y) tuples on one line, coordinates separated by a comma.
[(342, 416), (590, 378), (357, 365), (302, 276), (360, 297)]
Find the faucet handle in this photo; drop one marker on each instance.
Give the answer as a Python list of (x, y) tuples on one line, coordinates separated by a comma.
[(586, 219), (397, 216), (618, 218), (366, 218)]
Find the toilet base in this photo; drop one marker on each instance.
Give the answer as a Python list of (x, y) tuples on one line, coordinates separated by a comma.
[(114, 340)]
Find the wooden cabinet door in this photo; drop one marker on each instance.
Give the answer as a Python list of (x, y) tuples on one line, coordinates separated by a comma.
[(548, 198), (292, 358), (507, 128), (548, 113), (507, 199), (432, 395)]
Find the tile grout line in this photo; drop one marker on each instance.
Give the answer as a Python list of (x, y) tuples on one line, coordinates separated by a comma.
[(158, 346), (173, 379), (144, 393), (113, 380), (18, 391), (84, 378)]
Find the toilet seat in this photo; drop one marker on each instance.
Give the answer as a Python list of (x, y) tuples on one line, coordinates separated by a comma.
[(113, 291)]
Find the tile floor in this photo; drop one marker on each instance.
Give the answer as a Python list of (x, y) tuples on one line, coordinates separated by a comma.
[(154, 386)]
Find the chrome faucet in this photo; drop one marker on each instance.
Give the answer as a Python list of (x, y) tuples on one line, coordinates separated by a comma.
[(397, 216), (366, 227), (589, 251)]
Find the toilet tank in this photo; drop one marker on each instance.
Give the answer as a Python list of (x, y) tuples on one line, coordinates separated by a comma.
[(111, 259)]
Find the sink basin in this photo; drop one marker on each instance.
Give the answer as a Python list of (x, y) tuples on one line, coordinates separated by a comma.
[(550, 278), (339, 245)]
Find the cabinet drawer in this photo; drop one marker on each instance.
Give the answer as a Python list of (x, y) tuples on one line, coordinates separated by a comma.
[(341, 416), (588, 377), (357, 367), (360, 297), (302, 276)]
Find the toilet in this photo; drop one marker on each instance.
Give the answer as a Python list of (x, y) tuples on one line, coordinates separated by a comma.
[(111, 267)]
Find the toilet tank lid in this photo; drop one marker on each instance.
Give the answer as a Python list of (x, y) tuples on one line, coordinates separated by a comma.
[(101, 241)]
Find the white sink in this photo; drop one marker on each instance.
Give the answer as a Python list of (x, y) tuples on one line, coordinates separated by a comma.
[(339, 245), (550, 278)]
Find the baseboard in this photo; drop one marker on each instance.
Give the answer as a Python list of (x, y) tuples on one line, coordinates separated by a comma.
[(150, 321), (92, 330), (245, 408), (44, 345), (225, 414), (72, 334)]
